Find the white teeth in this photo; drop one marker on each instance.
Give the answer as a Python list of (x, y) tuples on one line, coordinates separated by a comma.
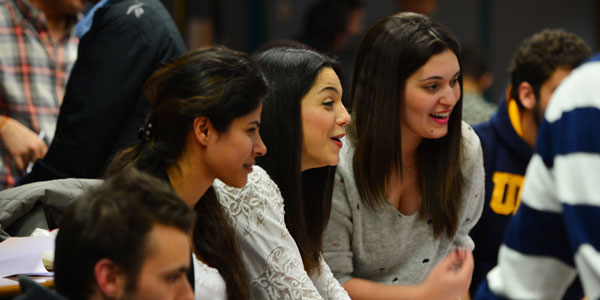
[(442, 115)]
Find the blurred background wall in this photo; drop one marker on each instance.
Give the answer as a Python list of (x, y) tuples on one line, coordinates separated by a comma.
[(496, 27)]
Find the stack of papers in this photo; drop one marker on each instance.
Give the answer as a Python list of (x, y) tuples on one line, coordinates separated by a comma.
[(23, 255)]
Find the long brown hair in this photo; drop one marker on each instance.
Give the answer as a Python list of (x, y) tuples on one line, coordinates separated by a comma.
[(217, 83), (390, 52)]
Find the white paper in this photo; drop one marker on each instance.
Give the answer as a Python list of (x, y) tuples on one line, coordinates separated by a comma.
[(23, 255)]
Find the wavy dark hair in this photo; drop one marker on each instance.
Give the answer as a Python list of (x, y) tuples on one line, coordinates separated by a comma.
[(217, 83), (391, 51), (291, 72), (540, 55), (113, 221)]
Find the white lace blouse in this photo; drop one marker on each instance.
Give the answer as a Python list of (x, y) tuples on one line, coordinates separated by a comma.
[(208, 283), (269, 252)]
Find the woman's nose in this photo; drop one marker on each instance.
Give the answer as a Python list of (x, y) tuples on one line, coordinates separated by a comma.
[(342, 118), (259, 147)]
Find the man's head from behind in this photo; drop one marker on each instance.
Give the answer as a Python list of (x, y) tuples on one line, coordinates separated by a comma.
[(475, 69), (127, 239), (540, 63)]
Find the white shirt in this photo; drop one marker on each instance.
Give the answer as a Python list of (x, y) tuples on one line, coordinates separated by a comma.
[(208, 283), (270, 254)]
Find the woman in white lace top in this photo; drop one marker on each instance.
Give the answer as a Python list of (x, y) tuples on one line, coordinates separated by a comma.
[(280, 222), (203, 125)]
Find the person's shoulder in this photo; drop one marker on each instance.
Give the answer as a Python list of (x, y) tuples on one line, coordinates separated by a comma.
[(259, 186), (249, 206), (33, 291), (472, 154), (137, 12), (260, 179), (578, 90), (130, 5), (471, 144), (346, 155), (484, 129), (208, 281), (486, 133)]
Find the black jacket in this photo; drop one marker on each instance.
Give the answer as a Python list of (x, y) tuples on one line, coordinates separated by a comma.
[(33, 291), (103, 105)]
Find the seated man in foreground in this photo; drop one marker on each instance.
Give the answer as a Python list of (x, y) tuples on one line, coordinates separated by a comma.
[(127, 239)]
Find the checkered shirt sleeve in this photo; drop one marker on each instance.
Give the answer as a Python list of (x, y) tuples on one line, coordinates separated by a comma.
[(33, 75)]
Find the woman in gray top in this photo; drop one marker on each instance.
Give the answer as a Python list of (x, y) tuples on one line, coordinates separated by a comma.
[(409, 185)]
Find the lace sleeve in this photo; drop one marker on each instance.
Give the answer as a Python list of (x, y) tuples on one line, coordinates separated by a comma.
[(270, 255), (328, 285)]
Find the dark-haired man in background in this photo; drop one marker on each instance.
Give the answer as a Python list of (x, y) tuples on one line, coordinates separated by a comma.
[(554, 238), (540, 64)]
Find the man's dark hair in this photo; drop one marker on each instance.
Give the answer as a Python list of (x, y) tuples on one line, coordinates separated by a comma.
[(540, 55), (113, 221)]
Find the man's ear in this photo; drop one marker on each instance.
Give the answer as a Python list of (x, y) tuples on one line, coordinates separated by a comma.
[(110, 280), (203, 130), (526, 95)]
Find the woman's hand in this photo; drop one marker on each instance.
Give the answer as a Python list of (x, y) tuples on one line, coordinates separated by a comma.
[(449, 280), (451, 277)]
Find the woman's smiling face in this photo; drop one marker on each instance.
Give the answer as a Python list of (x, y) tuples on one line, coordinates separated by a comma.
[(323, 120), (430, 94)]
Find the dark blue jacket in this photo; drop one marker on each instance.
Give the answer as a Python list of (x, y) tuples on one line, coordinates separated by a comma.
[(505, 159)]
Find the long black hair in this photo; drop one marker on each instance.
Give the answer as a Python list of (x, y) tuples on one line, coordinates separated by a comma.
[(291, 72), (217, 83)]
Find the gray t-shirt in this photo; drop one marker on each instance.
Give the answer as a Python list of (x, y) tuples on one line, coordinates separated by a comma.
[(386, 246)]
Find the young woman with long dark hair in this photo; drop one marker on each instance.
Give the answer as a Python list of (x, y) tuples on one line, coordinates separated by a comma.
[(409, 186), (280, 215), (204, 124)]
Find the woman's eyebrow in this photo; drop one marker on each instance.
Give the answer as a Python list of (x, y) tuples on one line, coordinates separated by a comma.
[(329, 88), (437, 77)]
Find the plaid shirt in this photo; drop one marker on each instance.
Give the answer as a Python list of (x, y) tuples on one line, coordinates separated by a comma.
[(33, 74)]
